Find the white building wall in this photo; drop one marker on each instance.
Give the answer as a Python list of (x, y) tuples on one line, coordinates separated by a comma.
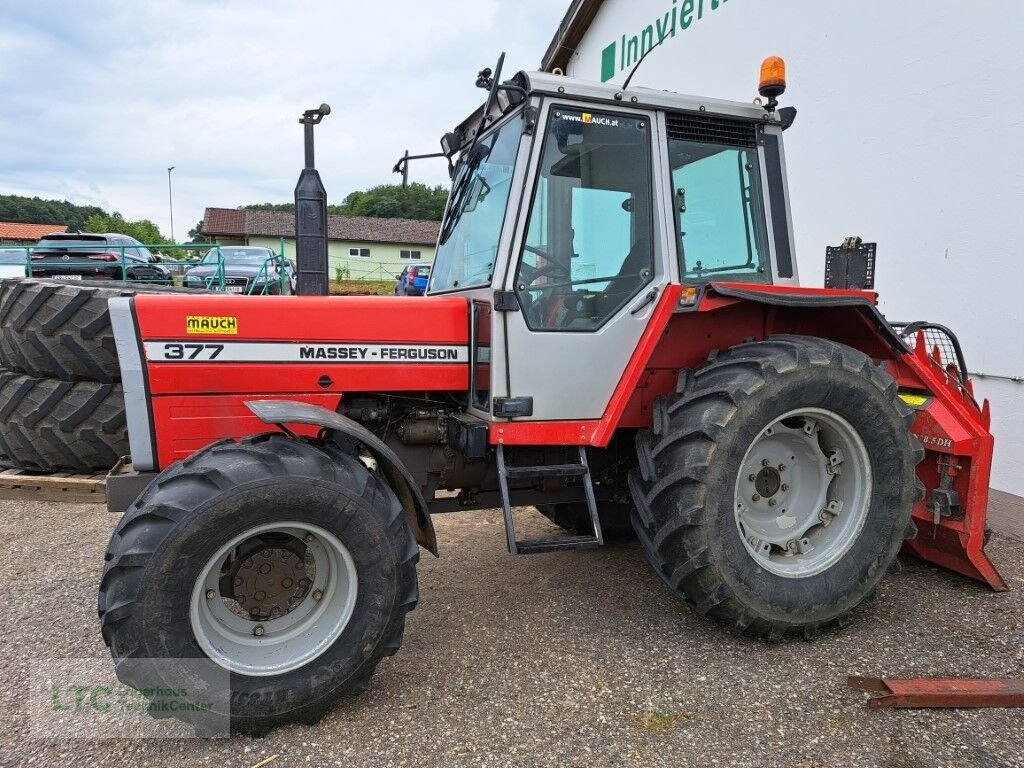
[(908, 134)]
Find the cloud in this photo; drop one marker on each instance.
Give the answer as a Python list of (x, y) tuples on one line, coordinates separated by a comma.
[(100, 98)]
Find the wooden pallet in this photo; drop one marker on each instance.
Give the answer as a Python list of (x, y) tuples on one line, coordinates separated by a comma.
[(57, 486)]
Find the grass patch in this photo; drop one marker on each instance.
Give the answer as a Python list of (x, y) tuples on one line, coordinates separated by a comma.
[(660, 720), (362, 288)]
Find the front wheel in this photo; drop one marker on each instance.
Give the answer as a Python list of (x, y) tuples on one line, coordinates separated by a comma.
[(286, 563), (776, 488)]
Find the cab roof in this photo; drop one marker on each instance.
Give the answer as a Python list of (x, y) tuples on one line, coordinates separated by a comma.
[(636, 96), (559, 86)]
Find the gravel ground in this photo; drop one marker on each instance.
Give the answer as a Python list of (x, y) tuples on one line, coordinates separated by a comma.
[(567, 659)]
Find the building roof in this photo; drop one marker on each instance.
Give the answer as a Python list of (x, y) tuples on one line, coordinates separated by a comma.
[(575, 23), (363, 229), (224, 221), (16, 231)]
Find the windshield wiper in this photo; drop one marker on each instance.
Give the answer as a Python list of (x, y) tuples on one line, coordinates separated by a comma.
[(462, 184), (491, 81)]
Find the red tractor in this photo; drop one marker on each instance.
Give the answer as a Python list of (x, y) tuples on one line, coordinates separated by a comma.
[(614, 332)]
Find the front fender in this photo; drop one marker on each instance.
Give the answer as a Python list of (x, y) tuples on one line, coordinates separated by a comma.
[(281, 412)]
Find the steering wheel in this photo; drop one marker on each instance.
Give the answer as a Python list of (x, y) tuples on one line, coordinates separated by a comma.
[(530, 274)]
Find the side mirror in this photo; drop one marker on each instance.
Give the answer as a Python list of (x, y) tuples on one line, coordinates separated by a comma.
[(398, 277)]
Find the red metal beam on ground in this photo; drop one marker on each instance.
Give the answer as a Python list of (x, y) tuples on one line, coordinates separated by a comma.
[(929, 693)]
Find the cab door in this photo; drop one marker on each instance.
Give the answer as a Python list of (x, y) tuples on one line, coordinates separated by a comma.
[(592, 260)]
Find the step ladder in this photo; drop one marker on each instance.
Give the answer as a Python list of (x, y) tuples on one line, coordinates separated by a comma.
[(582, 469)]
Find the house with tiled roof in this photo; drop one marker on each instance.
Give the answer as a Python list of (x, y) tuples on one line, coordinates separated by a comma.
[(14, 233), (358, 247)]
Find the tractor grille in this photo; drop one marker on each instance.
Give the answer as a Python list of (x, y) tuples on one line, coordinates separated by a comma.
[(936, 337), (708, 129), (939, 337)]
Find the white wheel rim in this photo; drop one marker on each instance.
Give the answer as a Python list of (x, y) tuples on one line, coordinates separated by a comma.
[(292, 623), (803, 492)]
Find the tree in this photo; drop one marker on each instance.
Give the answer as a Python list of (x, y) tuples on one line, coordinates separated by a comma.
[(35, 210), (143, 230), (392, 201), (386, 201), (272, 207)]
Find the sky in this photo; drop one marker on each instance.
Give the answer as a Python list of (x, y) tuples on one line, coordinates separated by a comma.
[(100, 97)]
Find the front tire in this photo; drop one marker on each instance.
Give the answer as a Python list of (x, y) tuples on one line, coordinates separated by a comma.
[(776, 486), (292, 542)]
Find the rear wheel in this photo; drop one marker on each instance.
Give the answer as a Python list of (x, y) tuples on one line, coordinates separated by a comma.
[(775, 489), (287, 563)]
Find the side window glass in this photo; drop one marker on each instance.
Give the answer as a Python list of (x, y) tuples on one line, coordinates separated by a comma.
[(130, 251), (602, 228), (121, 248), (589, 244), (720, 212)]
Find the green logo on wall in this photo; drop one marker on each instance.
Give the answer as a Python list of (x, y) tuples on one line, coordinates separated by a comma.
[(621, 55)]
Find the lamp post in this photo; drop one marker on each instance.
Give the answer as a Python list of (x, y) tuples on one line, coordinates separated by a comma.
[(170, 200)]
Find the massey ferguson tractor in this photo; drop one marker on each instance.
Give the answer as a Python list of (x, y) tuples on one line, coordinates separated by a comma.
[(614, 333)]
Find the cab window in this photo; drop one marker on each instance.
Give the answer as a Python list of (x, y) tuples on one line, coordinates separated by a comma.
[(720, 211), (588, 247)]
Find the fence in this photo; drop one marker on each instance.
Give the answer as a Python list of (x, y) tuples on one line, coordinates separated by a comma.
[(138, 264), (352, 269)]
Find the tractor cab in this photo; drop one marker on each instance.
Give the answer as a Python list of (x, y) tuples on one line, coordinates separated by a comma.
[(575, 204)]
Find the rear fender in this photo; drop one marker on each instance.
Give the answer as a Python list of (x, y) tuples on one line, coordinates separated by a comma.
[(852, 317), (950, 425), (281, 412)]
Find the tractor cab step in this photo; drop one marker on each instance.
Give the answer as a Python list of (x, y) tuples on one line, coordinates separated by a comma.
[(553, 470), (582, 470), (556, 545)]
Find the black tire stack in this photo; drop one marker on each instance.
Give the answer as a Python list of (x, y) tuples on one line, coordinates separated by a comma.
[(61, 402)]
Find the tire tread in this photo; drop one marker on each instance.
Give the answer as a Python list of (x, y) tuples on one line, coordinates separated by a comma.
[(176, 496), (675, 457), (50, 425)]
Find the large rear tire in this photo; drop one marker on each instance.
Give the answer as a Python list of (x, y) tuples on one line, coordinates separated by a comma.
[(187, 568), (62, 330), (50, 425), (775, 488)]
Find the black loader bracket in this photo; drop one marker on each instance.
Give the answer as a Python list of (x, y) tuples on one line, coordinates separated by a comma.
[(851, 265)]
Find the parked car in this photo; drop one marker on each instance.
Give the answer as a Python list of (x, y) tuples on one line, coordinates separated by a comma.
[(84, 256), (413, 280), (245, 269), (293, 275), (12, 261)]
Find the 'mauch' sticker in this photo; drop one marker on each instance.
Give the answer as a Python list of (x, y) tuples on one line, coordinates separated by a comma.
[(203, 324)]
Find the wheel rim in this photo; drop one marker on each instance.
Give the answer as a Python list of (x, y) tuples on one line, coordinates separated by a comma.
[(273, 598), (803, 492)]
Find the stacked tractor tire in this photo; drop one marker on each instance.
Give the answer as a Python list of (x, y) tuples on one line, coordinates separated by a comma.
[(61, 402)]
